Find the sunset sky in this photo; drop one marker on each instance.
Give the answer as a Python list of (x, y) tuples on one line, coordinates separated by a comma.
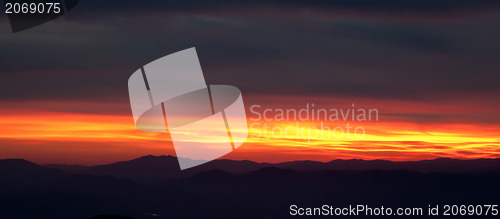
[(431, 70)]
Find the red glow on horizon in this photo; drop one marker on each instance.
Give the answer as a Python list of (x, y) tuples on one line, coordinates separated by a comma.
[(45, 136)]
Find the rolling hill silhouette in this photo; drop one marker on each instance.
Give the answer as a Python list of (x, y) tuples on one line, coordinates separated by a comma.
[(150, 169), (22, 171), (237, 189)]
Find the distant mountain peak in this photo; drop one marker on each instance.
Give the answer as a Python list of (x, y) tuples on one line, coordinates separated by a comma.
[(151, 168), (17, 163)]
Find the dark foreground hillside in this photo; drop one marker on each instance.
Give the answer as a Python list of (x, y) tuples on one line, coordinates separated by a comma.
[(39, 192)]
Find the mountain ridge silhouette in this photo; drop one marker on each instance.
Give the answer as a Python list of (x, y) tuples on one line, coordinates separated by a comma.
[(157, 168), (256, 191)]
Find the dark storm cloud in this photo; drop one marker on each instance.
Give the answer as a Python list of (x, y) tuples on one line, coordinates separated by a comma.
[(430, 6), (90, 53)]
